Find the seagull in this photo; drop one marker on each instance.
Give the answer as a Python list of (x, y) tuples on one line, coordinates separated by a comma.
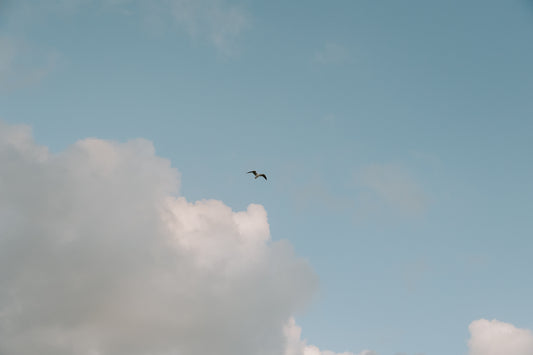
[(256, 174)]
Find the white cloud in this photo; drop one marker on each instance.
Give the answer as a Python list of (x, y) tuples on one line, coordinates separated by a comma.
[(99, 256), (297, 346), (498, 338), (331, 53), (390, 186)]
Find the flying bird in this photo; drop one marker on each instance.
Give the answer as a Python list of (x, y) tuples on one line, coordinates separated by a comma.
[(256, 174)]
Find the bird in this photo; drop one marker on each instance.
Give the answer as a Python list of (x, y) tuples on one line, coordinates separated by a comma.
[(256, 174)]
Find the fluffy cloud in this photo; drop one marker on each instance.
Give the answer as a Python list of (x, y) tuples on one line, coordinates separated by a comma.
[(498, 338), (98, 255), (297, 346)]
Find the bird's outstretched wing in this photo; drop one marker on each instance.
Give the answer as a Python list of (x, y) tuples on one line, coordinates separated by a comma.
[(263, 175), (253, 172)]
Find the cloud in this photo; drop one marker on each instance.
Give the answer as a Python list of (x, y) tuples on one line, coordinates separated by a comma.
[(332, 53), (390, 187), (498, 338), (297, 346), (99, 255)]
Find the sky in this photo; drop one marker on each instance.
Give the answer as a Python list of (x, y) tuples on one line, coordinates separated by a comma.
[(397, 218)]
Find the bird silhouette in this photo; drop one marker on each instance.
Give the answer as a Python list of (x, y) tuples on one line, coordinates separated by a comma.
[(256, 174)]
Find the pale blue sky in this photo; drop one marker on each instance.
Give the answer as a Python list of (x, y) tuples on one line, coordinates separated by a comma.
[(397, 138)]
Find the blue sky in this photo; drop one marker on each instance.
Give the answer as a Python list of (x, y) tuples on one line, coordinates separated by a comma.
[(397, 138)]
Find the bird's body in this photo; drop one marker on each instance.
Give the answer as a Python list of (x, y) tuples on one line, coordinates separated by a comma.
[(257, 175)]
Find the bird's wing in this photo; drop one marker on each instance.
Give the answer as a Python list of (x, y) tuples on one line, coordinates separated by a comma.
[(253, 172), (263, 175)]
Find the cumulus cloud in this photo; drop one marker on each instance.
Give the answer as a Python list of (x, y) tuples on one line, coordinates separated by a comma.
[(390, 187), (298, 346), (498, 338), (100, 255)]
